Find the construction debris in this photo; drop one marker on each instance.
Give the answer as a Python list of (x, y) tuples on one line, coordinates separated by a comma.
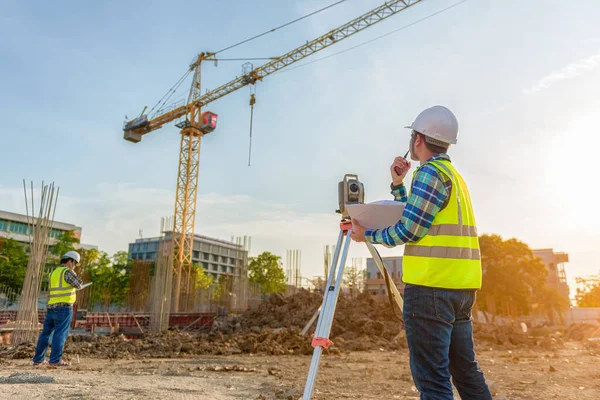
[(361, 323)]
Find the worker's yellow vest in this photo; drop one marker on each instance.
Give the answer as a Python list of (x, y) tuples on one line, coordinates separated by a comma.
[(60, 290), (448, 255)]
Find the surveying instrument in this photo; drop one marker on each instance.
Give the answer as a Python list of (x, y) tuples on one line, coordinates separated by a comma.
[(350, 191)]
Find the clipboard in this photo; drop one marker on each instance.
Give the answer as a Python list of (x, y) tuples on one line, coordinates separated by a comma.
[(378, 214)]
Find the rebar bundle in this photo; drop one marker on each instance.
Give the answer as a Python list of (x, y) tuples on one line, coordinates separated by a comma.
[(26, 330), (161, 286), (139, 285)]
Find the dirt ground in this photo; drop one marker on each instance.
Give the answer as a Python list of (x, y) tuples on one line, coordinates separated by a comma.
[(568, 373)]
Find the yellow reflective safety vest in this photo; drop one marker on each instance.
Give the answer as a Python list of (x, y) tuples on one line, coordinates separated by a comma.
[(60, 290), (448, 255)]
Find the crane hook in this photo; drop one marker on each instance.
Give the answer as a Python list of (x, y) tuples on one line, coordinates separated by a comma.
[(252, 101)]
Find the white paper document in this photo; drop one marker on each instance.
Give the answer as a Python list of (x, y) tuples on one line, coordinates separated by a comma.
[(378, 214), (85, 285)]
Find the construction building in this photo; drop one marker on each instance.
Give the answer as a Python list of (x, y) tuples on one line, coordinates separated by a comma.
[(557, 277), (218, 257), (14, 226), (375, 281)]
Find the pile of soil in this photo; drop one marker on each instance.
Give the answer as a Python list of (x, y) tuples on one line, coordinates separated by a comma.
[(579, 332), (361, 323), (508, 336)]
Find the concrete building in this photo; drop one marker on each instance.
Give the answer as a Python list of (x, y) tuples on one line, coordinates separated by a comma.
[(218, 257), (375, 281), (557, 277), (14, 226)]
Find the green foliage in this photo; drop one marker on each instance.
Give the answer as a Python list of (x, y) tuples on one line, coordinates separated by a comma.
[(220, 288), (111, 279), (511, 275), (64, 242), (13, 265), (355, 278), (588, 291), (266, 271), (203, 280)]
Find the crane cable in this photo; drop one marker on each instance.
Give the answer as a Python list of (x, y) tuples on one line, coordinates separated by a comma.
[(280, 26), (372, 40), (171, 91), (252, 101), (176, 86)]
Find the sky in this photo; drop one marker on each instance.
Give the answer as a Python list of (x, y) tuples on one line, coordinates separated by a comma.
[(522, 78)]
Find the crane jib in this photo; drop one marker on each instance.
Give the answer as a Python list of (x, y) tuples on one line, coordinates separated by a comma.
[(141, 125)]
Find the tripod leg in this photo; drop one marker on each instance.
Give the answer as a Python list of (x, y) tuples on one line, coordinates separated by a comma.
[(321, 338)]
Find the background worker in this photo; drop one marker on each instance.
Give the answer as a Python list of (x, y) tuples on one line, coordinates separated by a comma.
[(441, 264), (63, 282)]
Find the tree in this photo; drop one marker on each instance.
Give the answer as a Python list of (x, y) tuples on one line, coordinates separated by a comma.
[(588, 291), (64, 242), (110, 278), (511, 275), (354, 278), (13, 265), (203, 280), (266, 271), (552, 302)]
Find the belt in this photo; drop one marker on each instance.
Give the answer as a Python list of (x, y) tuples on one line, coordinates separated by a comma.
[(51, 306)]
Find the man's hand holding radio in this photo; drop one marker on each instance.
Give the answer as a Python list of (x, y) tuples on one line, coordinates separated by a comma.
[(399, 169)]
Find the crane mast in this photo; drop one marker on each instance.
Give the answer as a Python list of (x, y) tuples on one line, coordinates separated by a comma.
[(196, 124)]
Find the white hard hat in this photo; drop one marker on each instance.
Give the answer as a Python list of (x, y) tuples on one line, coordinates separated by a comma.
[(71, 254), (437, 123)]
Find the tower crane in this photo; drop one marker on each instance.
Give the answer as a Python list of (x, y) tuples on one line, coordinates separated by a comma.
[(194, 123)]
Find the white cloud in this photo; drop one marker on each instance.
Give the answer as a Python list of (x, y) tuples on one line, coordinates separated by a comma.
[(570, 71)]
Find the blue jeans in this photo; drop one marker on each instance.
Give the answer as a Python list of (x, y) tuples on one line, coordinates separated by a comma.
[(439, 332), (58, 320)]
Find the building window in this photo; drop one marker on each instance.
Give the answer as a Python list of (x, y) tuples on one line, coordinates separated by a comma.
[(215, 258), (18, 227), (196, 254), (223, 268), (231, 270), (150, 256), (224, 260), (3, 225)]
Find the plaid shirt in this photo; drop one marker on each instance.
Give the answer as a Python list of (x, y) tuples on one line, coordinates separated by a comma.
[(73, 280), (428, 196)]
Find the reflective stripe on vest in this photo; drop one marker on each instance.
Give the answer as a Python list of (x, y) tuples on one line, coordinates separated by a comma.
[(60, 290), (448, 256)]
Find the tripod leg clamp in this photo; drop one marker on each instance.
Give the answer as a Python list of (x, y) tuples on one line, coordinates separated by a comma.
[(321, 341)]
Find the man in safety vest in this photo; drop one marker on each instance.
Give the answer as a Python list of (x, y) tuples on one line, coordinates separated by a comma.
[(441, 265), (63, 282)]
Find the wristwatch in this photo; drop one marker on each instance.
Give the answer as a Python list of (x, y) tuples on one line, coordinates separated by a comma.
[(396, 187)]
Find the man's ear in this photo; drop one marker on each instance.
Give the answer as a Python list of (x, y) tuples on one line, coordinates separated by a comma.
[(418, 140)]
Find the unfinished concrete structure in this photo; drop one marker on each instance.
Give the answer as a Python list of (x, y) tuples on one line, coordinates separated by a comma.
[(375, 282), (555, 264)]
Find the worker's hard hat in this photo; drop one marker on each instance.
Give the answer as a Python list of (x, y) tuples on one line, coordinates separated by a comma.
[(437, 123), (73, 255)]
